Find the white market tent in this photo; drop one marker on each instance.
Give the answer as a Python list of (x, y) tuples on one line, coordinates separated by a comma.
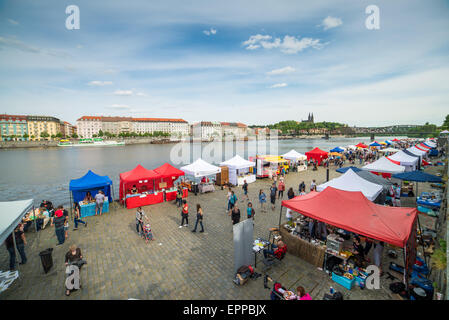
[(11, 214), (237, 163), (352, 147), (238, 166), (294, 155), (408, 161), (431, 144), (350, 181), (200, 168), (416, 151), (391, 150), (384, 165)]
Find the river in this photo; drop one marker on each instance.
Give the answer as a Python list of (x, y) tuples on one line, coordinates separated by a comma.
[(45, 173)]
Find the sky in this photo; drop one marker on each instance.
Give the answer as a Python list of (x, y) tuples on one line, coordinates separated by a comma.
[(251, 61)]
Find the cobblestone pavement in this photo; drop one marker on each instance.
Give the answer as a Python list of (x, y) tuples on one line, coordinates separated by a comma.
[(178, 264)]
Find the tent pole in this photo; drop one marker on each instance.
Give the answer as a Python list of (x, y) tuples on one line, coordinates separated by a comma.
[(34, 215), (404, 250), (71, 203), (280, 216), (422, 241)]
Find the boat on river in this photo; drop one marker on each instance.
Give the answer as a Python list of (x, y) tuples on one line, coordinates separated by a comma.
[(95, 142)]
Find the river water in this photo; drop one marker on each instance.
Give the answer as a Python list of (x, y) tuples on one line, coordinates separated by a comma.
[(45, 173)]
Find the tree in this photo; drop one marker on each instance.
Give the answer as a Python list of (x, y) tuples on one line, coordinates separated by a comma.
[(74, 136), (44, 134), (446, 123), (59, 135), (94, 135), (100, 133), (26, 136)]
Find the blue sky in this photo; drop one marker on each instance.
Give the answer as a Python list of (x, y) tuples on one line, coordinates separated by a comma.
[(257, 62)]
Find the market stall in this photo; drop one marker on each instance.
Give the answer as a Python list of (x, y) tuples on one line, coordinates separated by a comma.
[(144, 181), (269, 165), (166, 183), (239, 170), (317, 155), (384, 167), (361, 145), (350, 181), (92, 183), (351, 212), (298, 160), (409, 162), (199, 171)]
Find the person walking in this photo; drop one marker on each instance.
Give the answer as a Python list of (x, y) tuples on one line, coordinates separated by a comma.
[(58, 221), (99, 200), (73, 257), (20, 239), (184, 214), (235, 215), (290, 194), (302, 187), (262, 200), (179, 196), (140, 215), (229, 200), (281, 188), (250, 211), (273, 191), (232, 200), (77, 216), (245, 190), (312, 185), (199, 218)]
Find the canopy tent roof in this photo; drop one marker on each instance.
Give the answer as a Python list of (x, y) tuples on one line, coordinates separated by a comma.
[(361, 145), (316, 151), (352, 147), (336, 154), (371, 177), (200, 168), (444, 132), (421, 148), (237, 163), (344, 169), (418, 176), (353, 212), (167, 171), (404, 158), (350, 181), (416, 151), (411, 154), (89, 181), (389, 150), (294, 155), (337, 149), (274, 159), (424, 146), (139, 173), (388, 142), (429, 144), (375, 144), (395, 140), (384, 165), (11, 213)]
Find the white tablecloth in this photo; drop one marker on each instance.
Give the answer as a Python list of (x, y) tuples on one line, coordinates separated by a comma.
[(249, 179), (206, 188)]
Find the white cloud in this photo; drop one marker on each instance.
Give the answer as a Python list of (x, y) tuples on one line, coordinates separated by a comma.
[(278, 85), (98, 83), (209, 32), (123, 92), (13, 22), (284, 70), (289, 45), (119, 107), (331, 22), (141, 94)]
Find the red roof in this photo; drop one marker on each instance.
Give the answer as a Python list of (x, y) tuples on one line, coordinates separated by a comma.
[(353, 212), (361, 145), (167, 171), (138, 173), (316, 151)]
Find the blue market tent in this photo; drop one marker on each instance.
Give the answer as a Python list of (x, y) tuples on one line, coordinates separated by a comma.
[(388, 142), (337, 149), (375, 144), (91, 182), (344, 169), (417, 176)]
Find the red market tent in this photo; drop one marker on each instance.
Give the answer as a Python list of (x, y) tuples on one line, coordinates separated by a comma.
[(353, 212), (139, 176), (316, 154), (396, 140), (168, 175), (361, 145)]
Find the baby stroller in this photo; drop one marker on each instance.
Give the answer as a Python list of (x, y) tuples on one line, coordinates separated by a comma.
[(147, 234)]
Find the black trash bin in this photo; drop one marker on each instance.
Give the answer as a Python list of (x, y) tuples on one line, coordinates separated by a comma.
[(46, 259)]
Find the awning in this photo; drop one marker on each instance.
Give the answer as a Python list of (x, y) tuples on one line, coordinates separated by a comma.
[(418, 176), (350, 181), (90, 180), (353, 212), (404, 159), (200, 168), (167, 171), (238, 163), (384, 165), (11, 213), (294, 155)]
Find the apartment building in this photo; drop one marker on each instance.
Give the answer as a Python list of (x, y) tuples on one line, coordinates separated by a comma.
[(234, 129), (87, 126), (207, 130), (116, 125), (41, 125), (151, 125), (13, 127), (68, 129)]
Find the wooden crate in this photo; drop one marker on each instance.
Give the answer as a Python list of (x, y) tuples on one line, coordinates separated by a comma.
[(223, 177)]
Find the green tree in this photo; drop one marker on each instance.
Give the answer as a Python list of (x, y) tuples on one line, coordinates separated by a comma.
[(100, 133), (44, 134), (446, 123), (74, 136)]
